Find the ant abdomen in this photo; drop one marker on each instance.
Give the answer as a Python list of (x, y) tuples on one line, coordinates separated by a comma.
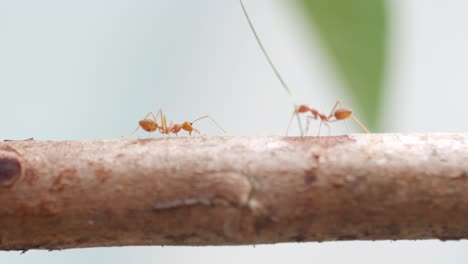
[(148, 125), (343, 113)]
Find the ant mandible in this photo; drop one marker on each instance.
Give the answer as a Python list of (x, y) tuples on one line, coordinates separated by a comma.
[(337, 113)]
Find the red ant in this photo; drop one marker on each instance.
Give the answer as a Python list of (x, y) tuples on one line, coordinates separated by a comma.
[(151, 125), (337, 113), (187, 126)]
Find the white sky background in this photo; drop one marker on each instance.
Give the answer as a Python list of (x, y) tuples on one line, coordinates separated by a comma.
[(90, 69)]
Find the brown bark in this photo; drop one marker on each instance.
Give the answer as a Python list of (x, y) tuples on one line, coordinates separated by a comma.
[(223, 190)]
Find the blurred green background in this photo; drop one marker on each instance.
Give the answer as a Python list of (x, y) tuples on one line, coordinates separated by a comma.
[(91, 69)]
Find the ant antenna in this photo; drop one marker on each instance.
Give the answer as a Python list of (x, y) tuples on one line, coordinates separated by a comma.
[(285, 86), (278, 75), (212, 120)]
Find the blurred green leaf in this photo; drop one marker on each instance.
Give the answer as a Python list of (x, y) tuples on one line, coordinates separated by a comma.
[(354, 32)]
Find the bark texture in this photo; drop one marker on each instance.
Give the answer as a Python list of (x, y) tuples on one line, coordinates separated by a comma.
[(232, 191)]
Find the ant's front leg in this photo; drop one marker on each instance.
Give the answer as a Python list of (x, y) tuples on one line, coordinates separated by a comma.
[(194, 130), (328, 126), (298, 123)]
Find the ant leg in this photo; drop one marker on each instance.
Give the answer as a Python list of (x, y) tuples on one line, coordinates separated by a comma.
[(196, 131), (308, 118), (290, 121), (361, 125), (163, 117), (149, 114), (155, 118), (347, 127), (354, 118), (163, 129), (307, 125), (300, 125), (168, 129), (328, 126), (356, 121), (338, 103), (133, 133)]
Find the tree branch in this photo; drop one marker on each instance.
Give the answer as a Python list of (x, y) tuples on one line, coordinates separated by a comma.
[(232, 191)]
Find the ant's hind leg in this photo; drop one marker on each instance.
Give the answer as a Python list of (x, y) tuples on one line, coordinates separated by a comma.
[(298, 122), (300, 125), (360, 124), (148, 115), (290, 121), (163, 129), (133, 133), (136, 129), (337, 104), (328, 126), (155, 117)]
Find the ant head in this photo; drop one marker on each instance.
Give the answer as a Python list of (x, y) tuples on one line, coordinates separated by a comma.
[(187, 126), (302, 108), (342, 113)]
